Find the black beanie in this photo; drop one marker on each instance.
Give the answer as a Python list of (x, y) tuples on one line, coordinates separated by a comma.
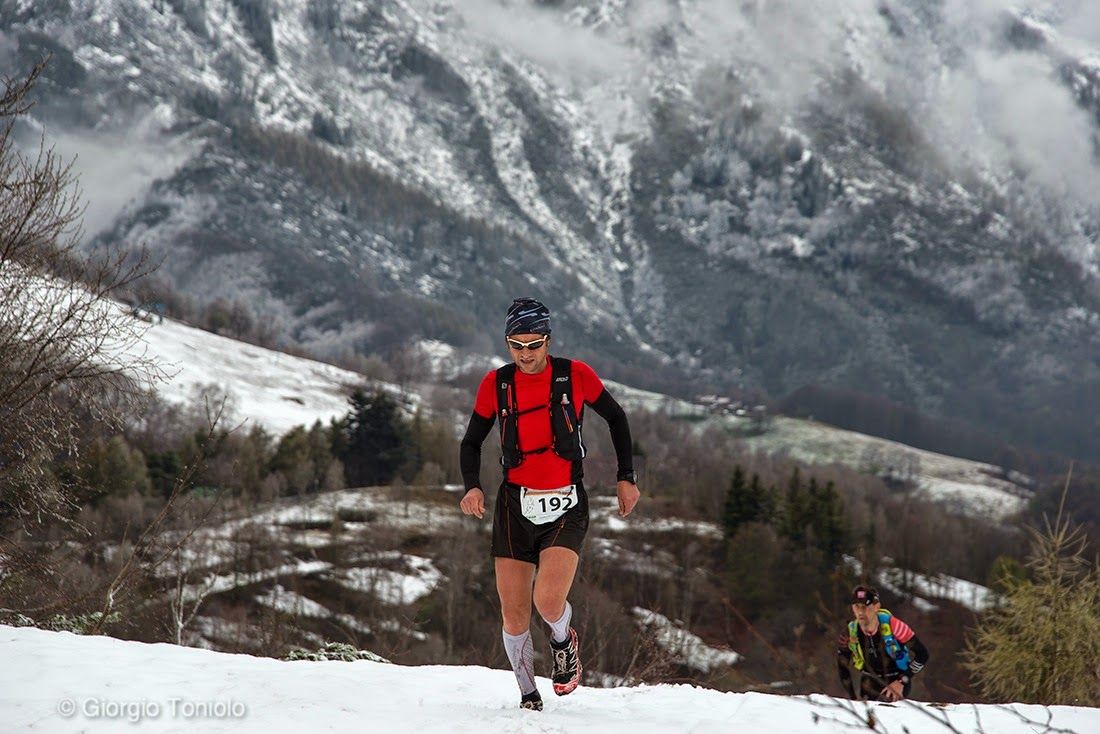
[(864, 595), (527, 316)]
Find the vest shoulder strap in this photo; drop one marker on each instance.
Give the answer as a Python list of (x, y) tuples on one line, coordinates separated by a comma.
[(884, 617), (894, 649), (561, 378), (853, 645), (505, 379)]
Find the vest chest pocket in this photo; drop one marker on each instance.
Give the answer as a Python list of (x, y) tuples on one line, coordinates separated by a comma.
[(542, 506)]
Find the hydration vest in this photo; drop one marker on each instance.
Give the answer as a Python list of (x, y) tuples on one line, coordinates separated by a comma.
[(564, 423), (897, 651)]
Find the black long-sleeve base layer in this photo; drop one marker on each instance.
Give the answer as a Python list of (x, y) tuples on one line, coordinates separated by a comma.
[(879, 669), (469, 455)]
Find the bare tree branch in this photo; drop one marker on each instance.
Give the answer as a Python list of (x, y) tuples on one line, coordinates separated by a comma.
[(64, 341)]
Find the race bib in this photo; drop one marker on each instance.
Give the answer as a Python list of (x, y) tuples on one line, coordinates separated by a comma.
[(541, 506)]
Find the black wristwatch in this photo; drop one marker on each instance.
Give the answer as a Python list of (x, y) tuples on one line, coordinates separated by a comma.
[(628, 476)]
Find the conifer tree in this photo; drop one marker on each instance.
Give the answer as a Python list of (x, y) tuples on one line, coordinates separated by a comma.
[(112, 466), (761, 499), (1040, 644), (830, 527), (733, 514), (745, 503), (377, 439), (796, 518)]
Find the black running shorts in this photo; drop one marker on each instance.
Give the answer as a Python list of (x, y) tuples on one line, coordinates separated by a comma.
[(514, 536)]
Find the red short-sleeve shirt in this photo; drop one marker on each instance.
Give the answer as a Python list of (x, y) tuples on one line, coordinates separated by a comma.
[(544, 470)]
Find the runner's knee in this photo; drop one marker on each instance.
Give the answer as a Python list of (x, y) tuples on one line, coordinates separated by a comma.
[(550, 603), (516, 617)]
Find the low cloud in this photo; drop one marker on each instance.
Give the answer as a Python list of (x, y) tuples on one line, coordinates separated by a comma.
[(543, 36), (114, 167)]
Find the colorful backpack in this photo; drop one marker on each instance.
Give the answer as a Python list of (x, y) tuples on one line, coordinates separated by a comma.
[(896, 650)]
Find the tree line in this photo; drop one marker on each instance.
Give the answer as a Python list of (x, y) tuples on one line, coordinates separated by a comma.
[(374, 443)]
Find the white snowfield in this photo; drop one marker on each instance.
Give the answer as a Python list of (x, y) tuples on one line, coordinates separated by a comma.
[(59, 682), (275, 390)]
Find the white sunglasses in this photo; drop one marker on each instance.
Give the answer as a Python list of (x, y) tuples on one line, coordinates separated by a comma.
[(532, 345)]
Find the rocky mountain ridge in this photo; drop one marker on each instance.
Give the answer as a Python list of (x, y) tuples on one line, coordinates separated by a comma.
[(750, 198)]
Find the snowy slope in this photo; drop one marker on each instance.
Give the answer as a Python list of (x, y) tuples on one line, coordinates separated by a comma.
[(58, 682), (275, 390), (971, 486)]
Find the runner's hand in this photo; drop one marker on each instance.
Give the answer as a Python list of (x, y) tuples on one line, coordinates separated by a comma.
[(473, 503), (894, 692), (628, 497)]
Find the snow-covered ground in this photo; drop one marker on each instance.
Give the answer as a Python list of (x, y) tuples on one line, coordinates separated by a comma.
[(59, 682), (273, 389), (633, 398), (650, 561), (940, 586), (445, 362), (394, 577), (972, 486), (420, 578)]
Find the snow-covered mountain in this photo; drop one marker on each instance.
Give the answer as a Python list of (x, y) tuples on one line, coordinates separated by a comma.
[(890, 195), (55, 682)]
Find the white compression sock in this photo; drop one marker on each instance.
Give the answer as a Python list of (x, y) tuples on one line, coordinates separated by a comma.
[(521, 654), (559, 631)]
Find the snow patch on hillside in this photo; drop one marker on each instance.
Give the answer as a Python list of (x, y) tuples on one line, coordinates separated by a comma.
[(684, 646), (392, 586), (920, 587), (974, 487)]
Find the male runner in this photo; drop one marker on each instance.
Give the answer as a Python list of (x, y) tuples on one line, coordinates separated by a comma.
[(541, 512)]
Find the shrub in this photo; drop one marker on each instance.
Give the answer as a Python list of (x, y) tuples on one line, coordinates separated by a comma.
[(77, 624), (336, 651)]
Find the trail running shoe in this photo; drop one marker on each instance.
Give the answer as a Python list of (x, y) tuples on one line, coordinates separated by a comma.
[(567, 666), (531, 701)]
